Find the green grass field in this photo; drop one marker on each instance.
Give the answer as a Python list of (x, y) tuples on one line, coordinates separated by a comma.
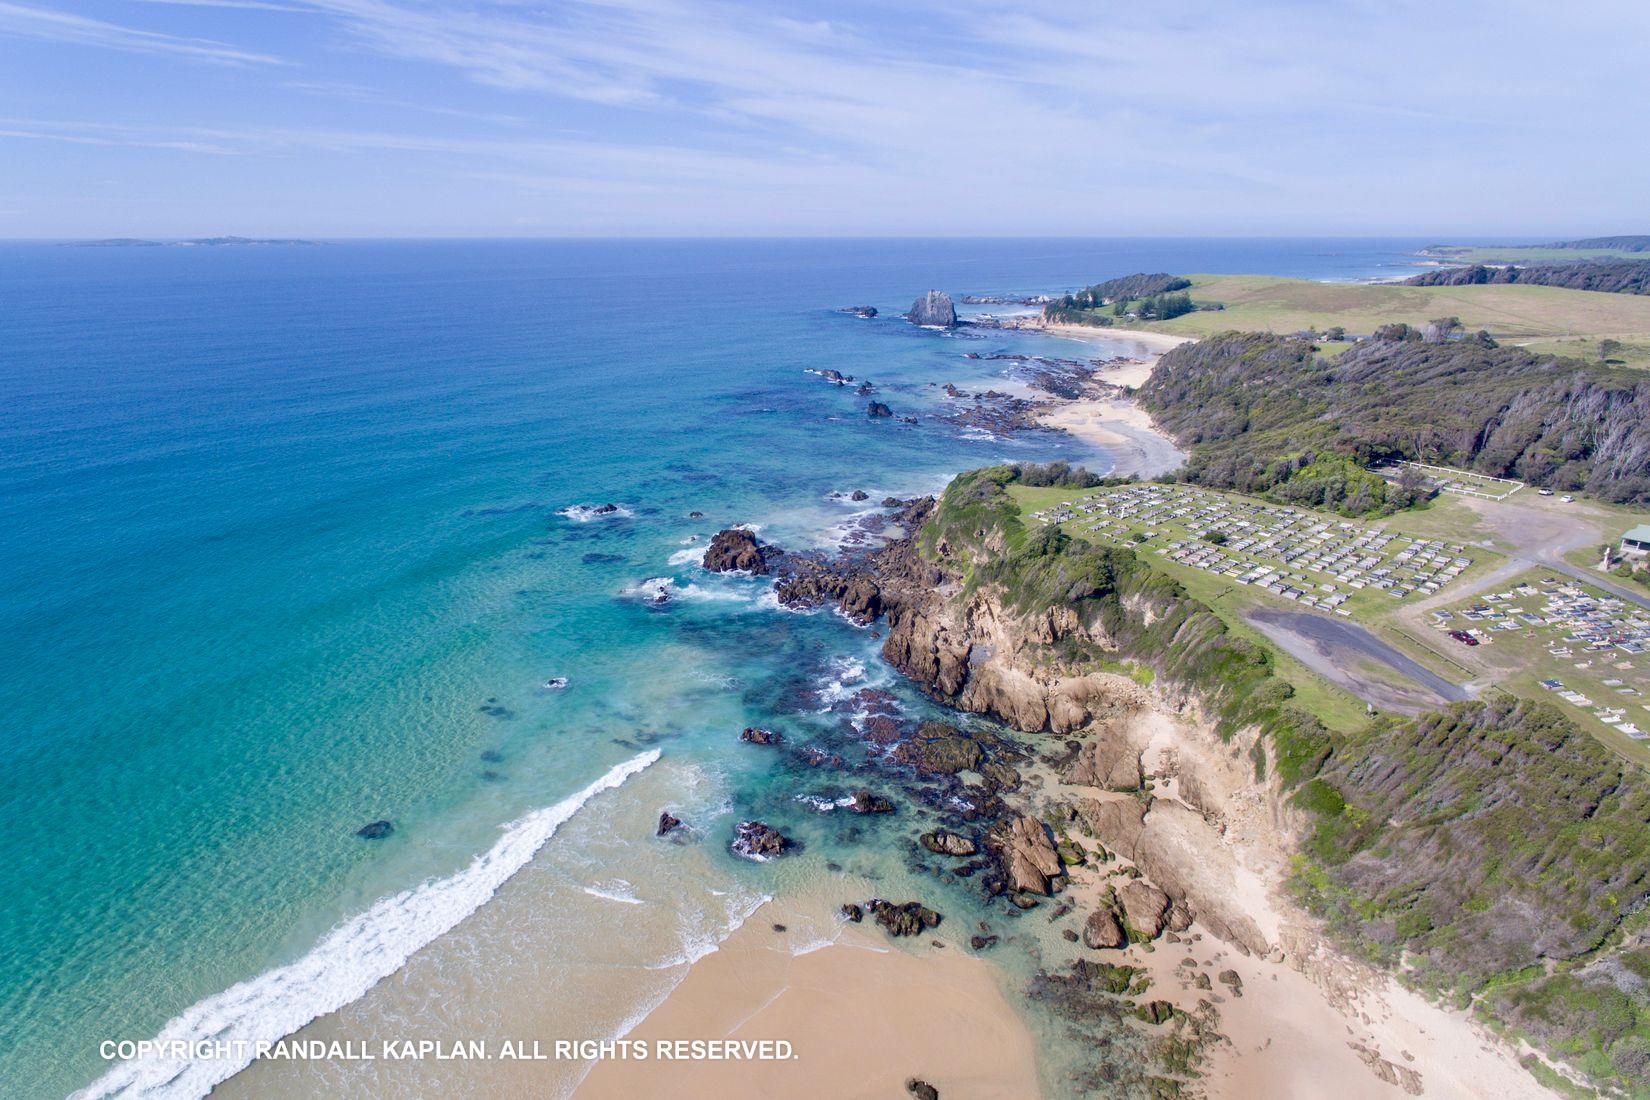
[(1523, 254), (1546, 318)]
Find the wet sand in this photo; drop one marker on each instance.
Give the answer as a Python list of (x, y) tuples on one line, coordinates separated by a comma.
[(863, 1016)]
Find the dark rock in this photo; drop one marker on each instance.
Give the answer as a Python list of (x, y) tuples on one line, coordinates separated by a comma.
[(854, 913), (736, 550), (910, 919), (756, 841), (943, 843), (696, 514), (1070, 934), (864, 802), (939, 749), (860, 311), (859, 494), (891, 502), (778, 927), (981, 943), (866, 389), (921, 1089), (755, 735), (1233, 979), (861, 601), (668, 823), (604, 509), (933, 308), (877, 409), (492, 756), (375, 830)]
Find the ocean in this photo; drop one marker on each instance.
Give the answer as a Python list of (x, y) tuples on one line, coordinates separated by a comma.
[(303, 538)]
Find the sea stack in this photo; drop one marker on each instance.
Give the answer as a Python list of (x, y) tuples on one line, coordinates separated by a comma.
[(934, 309)]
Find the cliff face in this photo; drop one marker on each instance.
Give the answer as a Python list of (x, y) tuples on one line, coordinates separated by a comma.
[(935, 309), (1488, 848)]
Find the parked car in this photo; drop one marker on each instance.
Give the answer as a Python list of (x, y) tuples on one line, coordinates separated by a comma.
[(1544, 492), (1463, 637)]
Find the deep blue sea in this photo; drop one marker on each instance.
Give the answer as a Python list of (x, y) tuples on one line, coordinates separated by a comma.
[(287, 550)]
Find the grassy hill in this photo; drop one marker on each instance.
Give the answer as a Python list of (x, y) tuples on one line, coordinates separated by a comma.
[(1545, 319)]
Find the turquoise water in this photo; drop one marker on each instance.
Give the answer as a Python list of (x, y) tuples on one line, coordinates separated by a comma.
[(283, 556)]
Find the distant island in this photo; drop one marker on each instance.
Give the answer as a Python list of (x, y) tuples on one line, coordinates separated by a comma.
[(139, 242)]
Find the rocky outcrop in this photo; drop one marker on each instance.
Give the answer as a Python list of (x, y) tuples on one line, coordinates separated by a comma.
[(864, 802), (1146, 908), (755, 735), (756, 841), (942, 843), (736, 550), (933, 309), (877, 409), (938, 749), (1117, 823), (1110, 761), (1103, 931), (910, 919), (1026, 853), (668, 823), (1172, 851)]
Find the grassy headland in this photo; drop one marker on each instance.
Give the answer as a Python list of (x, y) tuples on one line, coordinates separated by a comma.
[(1548, 319), (1490, 852)]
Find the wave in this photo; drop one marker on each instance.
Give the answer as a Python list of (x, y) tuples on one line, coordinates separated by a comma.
[(349, 960), (615, 890), (585, 513), (688, 557)]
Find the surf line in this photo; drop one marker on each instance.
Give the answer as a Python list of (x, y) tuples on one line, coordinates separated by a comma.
[(348, 961)]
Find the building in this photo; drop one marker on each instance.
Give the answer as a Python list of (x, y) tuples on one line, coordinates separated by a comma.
[(1636, 543)]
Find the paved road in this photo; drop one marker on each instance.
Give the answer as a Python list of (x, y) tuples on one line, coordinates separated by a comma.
[(1335, 648)]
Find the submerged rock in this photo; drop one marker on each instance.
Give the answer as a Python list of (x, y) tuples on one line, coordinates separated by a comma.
[(757, 841), (935, 309), (860, 311), (877, 409), (375, 830), (755, 735)]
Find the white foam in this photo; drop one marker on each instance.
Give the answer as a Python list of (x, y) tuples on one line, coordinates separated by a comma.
[(349, 960), (688, 557), (615, 890), (585, 513), (825, 805)]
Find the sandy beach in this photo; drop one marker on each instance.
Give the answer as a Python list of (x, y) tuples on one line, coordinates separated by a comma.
[(863, 1016), (1117, 423)]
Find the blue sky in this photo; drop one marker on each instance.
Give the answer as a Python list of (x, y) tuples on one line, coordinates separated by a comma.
[(650, 117)]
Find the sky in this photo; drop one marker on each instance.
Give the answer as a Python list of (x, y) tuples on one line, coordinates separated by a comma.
[(340, 118)]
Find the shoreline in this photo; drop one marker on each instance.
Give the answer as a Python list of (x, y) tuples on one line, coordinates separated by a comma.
[(864, 1016), (1117, 423)]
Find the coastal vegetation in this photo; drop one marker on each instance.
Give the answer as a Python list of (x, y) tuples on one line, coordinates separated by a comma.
[(1268, 415), (1610, 278), (1626, 246), (1139, 297), (1489, 852)]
